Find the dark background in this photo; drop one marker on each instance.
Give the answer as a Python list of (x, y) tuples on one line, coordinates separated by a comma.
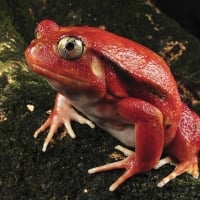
[(186, 12)]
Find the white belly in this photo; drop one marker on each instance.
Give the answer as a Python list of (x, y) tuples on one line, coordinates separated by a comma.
[(126, 136), (105, 116)]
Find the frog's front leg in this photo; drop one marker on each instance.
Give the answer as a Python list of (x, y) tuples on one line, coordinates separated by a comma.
[(148, 121), (63, 113)]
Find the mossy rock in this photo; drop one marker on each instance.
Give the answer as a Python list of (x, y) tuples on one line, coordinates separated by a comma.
[(26, 172)]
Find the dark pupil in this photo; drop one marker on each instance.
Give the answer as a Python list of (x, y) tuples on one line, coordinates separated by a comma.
[(69, 46)]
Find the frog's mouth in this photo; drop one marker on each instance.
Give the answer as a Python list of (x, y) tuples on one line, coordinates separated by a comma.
[(55, 77)]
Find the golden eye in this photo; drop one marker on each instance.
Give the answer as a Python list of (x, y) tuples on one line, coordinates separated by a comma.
[(70, 47)]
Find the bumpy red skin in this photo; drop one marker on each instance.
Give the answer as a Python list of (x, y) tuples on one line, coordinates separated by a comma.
[(145, 94)]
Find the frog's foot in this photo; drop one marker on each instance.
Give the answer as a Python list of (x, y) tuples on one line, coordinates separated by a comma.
[(190, 167), (128, 163), (63, 113)]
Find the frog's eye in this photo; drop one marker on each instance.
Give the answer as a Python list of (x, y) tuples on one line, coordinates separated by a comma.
[(70, 47)]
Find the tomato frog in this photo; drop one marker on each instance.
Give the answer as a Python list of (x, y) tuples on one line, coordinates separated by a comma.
[(124, 88)]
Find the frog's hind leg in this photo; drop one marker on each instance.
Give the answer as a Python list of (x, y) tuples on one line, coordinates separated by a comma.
[(185, 147), (145, 117), (190, 167)]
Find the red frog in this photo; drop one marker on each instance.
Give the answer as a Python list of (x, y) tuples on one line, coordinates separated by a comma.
[(124, 88)]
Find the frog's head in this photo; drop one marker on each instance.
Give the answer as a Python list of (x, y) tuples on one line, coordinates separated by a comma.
[(63, 55)]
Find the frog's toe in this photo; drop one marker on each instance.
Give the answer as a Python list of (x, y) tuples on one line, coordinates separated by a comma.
[(190, 167), (164, 161), (49, 138), (129, 164), (69, 129), (80, 119), (42, 128), (124, 150)]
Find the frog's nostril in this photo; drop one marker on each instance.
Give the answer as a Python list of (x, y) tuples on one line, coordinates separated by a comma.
[(33, 50)]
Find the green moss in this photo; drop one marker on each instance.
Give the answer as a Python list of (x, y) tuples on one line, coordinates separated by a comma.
[(11, 43)]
